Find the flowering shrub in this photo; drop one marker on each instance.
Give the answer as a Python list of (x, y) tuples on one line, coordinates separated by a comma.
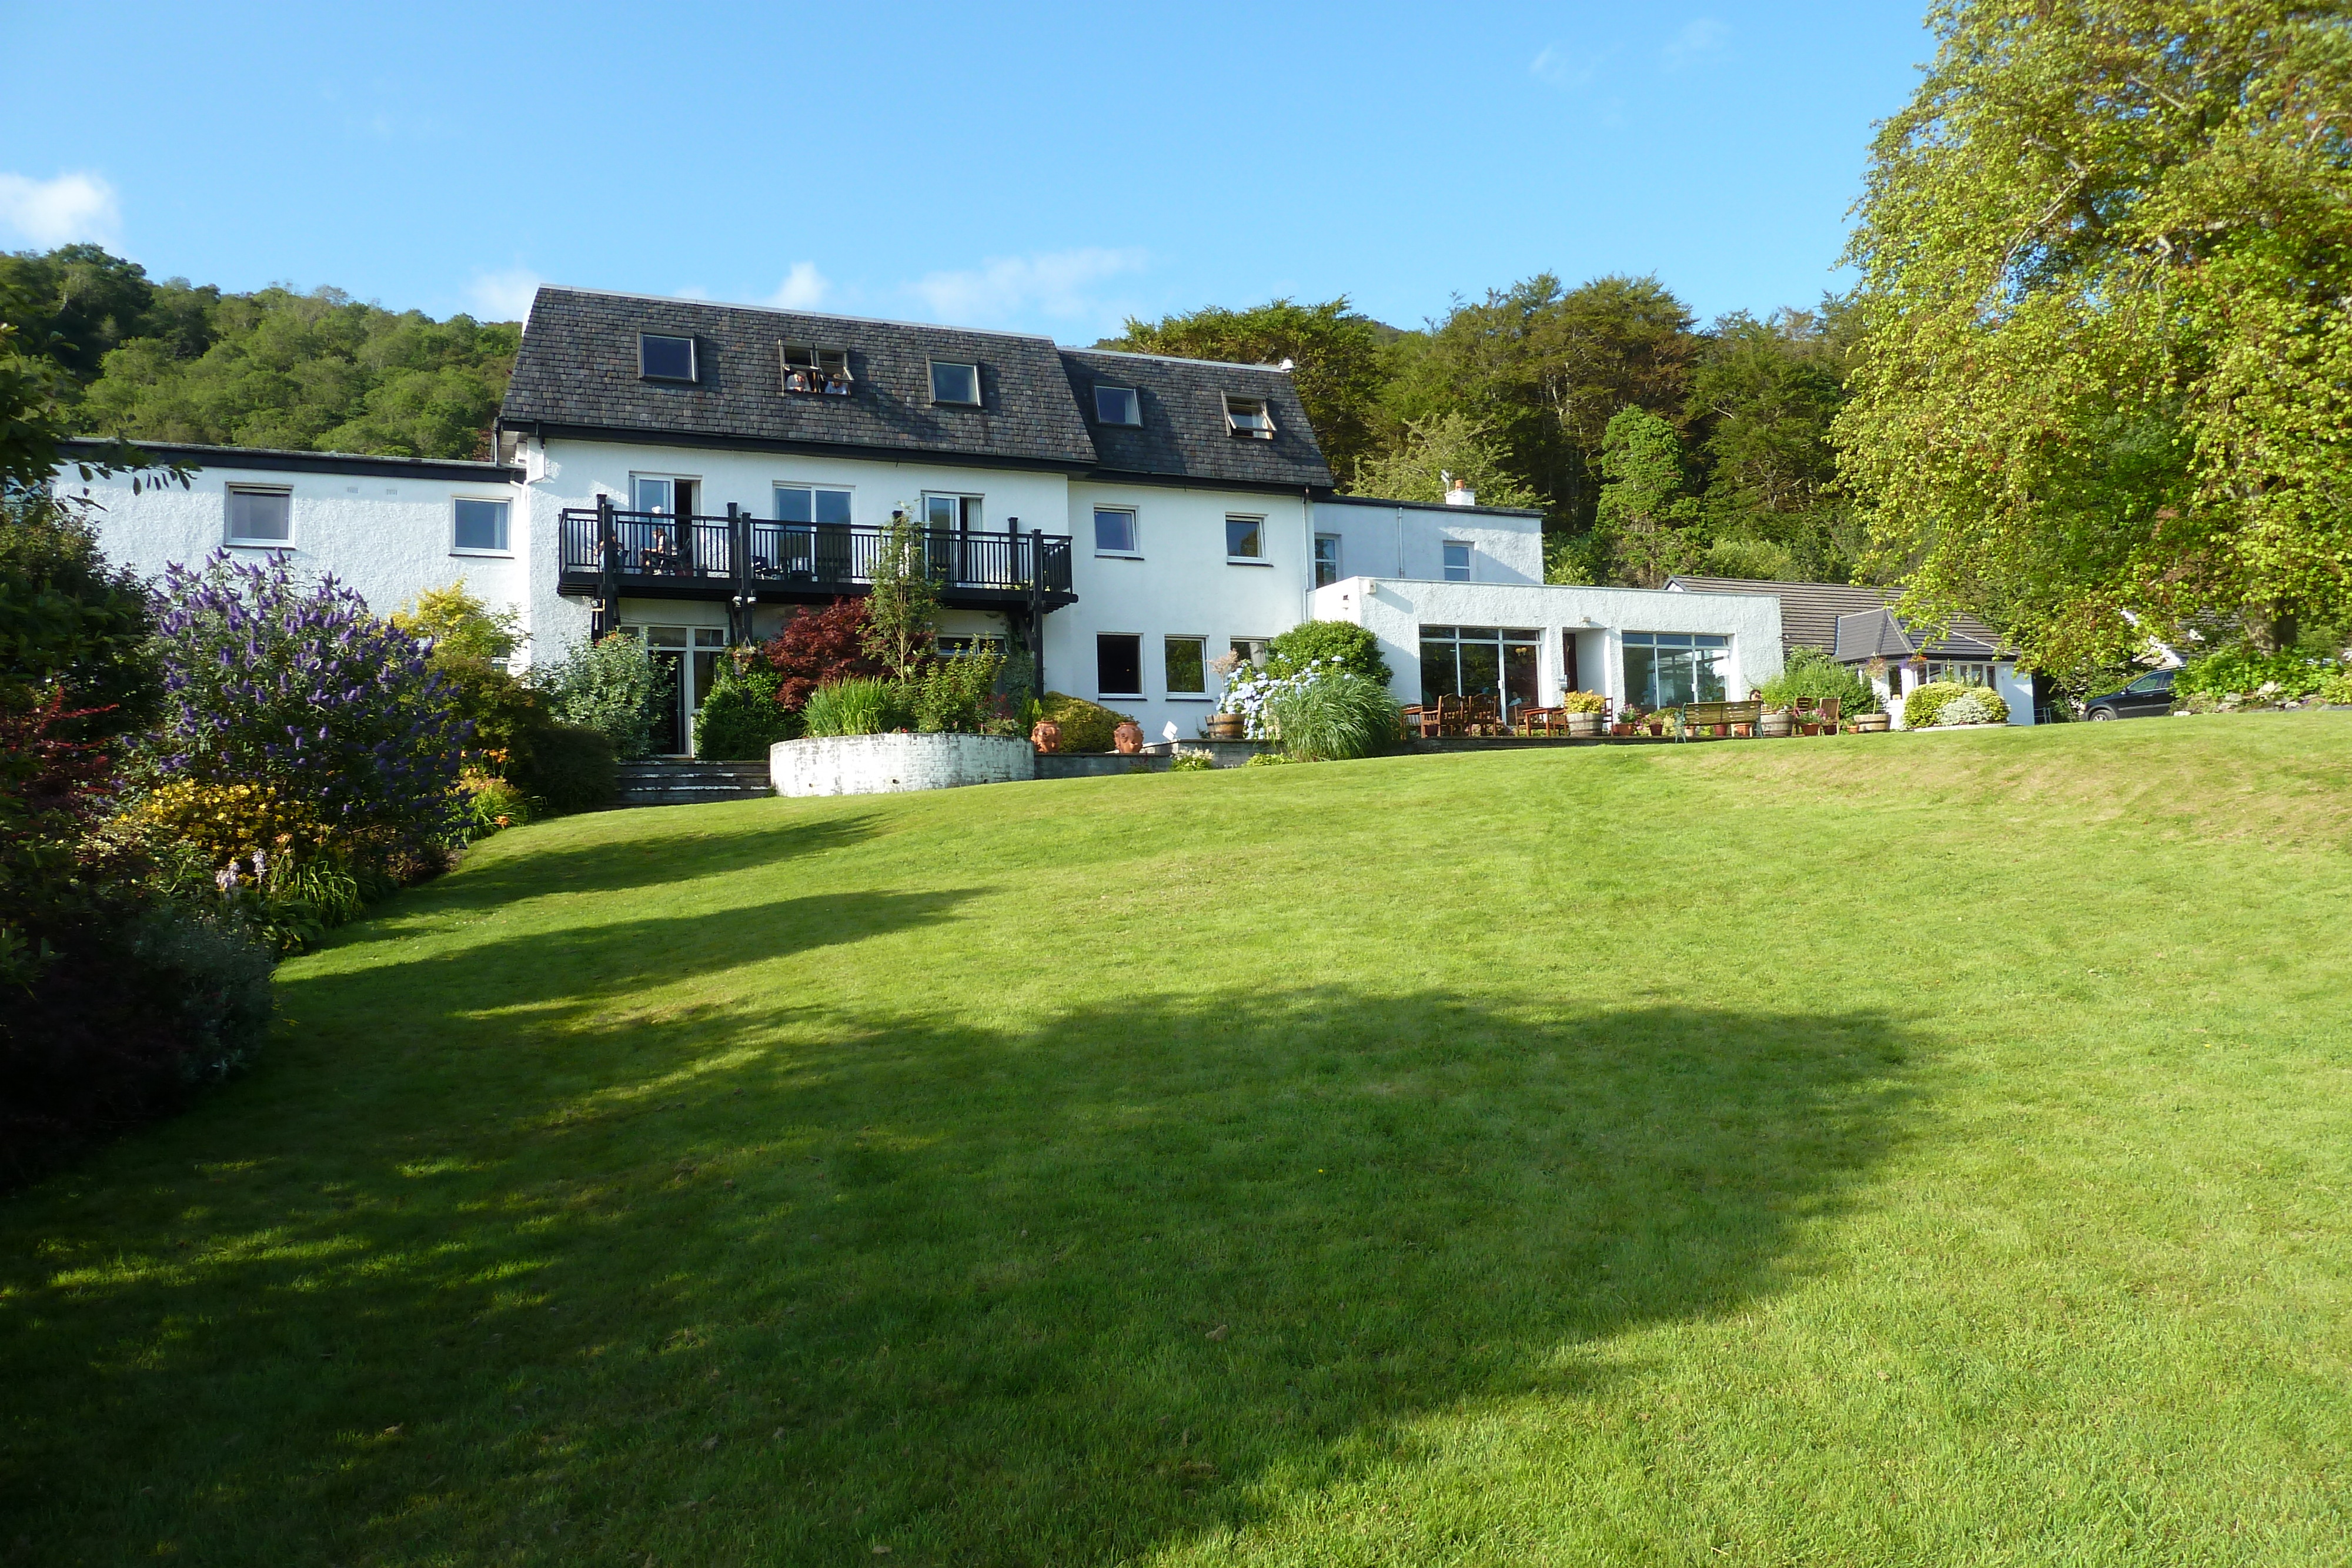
[(1253, 692), (269, 682), (609, 685), (1583, 702), (491, 804), (233, 824)]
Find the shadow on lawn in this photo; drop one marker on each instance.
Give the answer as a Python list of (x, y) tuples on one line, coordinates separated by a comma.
[(1072, 1292), (651, 857)]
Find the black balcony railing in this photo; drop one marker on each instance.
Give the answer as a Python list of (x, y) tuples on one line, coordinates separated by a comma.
[(755, 554)]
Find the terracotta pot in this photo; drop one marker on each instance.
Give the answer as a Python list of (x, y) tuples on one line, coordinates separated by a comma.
[(1226, 727), (1047, 735), (1658, 726), (1621, 729), (1128, 739), (1808, 729)]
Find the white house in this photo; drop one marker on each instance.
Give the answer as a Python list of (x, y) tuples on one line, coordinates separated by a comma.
[(699, 473)]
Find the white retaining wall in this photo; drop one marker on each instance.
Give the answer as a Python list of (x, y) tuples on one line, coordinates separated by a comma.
[(895, 764)]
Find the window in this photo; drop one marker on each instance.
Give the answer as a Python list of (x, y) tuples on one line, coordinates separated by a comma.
[(1457, 561), (1966, 674), (1668, 669), (812, 504), (661, 358), (1479, 660), (956, 513), (1117, 405), (481, 525), (955, 383), (1245, 538), (1250, 650), (1326, 559), (814, 369), (1249, 416), (258, 517), (1187, 665), (1118, 665), (953, 647), (1114, 530)]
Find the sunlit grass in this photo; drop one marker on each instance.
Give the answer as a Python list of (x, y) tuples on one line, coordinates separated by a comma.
[(1899, 1149)]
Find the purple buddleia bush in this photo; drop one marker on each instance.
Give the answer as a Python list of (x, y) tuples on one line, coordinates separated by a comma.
[(269, 680)]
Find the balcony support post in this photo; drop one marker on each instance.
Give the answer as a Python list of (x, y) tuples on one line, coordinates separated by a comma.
[(1037, 607), (607, 618), (739, 606)]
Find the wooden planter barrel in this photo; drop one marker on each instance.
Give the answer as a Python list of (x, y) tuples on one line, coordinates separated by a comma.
[(1584, 726), (1227, 727), (1774, 725)]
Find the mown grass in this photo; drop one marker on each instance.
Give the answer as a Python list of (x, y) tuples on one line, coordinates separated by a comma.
[(1896, 1150)]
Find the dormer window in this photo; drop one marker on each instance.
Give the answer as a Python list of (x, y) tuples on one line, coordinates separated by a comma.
[(952, 382), (664, 359), (1117, 405), (1249, 416), (809, 369)]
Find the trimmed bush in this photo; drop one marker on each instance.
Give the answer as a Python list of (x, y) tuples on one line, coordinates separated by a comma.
[(1086, 726), (1335, 715), (741, 717), (1947, 703), (1339, 644), (1925, 704), (564, 768), (609, 685), (867, 705)]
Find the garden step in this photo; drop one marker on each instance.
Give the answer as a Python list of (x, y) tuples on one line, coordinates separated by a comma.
[(684, 781)]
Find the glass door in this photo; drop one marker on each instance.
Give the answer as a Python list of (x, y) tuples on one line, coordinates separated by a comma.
[(686, 666)]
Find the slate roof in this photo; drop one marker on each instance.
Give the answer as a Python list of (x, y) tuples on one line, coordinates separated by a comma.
[(1184, 433), (577, 373), (578, 370), (279, 459), (1813, 614)]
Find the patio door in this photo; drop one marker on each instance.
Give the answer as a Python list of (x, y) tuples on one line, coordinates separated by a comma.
[(1479, 660), (685, 661), (957, 517)]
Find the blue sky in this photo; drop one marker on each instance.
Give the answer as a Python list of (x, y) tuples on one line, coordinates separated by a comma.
[(1041, 168)]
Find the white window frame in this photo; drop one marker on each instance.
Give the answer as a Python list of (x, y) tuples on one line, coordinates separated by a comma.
[(1469, 560), (693, 358), (1315, 569), (1246, 424), (228, 514), (1134, 402), (817, 365), (976, 399), (1174, 695), (1252, 650), (1261, 559), (674, 480), (1101, 691), (1134, 550), (776, 487), (503, 552)]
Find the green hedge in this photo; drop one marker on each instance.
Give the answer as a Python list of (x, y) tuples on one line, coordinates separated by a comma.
[(1086, 726)]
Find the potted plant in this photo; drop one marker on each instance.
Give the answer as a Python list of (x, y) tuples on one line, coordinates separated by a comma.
[(1628, 719), (1775, 723), (1228, 726), (1586, 712)]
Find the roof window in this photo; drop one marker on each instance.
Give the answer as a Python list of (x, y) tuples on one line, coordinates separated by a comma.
[(955, 383), (664, 359), (1117, 405), (1249, 416), (808, 369)]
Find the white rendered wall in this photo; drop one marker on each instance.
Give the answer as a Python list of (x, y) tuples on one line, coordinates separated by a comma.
[(2016, 690), (390, 537), (1394, 611), (897, 764), (1177, 582), (1407, 539)]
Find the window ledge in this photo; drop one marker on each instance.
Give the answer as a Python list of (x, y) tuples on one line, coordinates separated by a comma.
[(262, 544), (1190, 697), (486, 554), (1247, 560), (1122, 697), (1117, 555)]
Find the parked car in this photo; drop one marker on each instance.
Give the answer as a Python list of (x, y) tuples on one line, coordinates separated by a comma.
[(2146, 697)]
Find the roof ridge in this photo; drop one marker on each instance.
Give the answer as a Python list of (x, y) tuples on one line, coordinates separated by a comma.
[(788, 311)]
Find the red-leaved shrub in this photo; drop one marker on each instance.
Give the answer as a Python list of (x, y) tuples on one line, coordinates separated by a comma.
[(818, 647)]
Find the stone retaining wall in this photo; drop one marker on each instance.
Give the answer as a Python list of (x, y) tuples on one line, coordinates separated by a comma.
[(893, 764)]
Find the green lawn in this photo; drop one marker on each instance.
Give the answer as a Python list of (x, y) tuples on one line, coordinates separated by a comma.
[(1909, 1149)]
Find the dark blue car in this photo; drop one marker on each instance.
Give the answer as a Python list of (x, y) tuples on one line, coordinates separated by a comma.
[(2147, 697)]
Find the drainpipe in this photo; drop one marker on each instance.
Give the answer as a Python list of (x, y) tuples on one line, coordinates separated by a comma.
[(1306, 517)]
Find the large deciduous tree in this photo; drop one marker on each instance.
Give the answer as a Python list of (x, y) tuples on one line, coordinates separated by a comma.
[(2108, 277)]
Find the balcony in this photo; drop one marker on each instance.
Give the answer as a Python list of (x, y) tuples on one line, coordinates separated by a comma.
[(648, 555)]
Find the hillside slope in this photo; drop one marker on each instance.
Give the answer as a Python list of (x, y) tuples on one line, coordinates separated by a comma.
[(1903, 1149)]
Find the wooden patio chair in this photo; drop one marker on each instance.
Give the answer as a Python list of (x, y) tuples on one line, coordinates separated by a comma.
[(1452, 717), (1479, 716), (1827, 713)]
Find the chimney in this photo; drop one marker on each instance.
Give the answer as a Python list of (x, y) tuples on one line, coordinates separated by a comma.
[(1458, 492)]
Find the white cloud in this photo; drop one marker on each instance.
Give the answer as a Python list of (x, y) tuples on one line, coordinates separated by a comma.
[(804, 288), (1703, 37), (1560, 67), (1048, 283), (60, 211), (504, 296)]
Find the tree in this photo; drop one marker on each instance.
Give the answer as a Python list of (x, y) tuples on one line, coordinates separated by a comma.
[(2107, 373), (1645, 514), (1546, 368), (1335, 355), (902, 603), (1763, 396), (817, 648), (1450, 443)]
